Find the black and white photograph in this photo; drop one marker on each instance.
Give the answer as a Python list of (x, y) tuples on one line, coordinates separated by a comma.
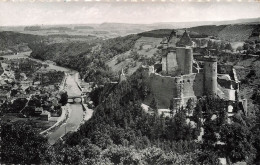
[(130, 82)]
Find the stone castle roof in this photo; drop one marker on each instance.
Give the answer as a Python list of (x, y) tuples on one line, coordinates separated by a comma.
[(172, 39), (172, 35), (185, 40)]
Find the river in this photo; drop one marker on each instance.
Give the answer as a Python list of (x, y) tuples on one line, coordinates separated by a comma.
[(75, 115)]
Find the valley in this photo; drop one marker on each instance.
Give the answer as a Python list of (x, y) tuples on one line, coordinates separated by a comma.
[(116, 93)]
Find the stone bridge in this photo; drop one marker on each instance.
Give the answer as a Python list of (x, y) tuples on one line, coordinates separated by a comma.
[(74, 99)]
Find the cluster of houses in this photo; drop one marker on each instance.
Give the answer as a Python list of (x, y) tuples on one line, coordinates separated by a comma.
[(24, 86)]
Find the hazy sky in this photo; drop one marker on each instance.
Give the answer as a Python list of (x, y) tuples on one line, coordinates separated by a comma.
[(27, 13)]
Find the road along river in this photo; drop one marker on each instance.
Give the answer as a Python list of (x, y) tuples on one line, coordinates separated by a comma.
[(75, 115)]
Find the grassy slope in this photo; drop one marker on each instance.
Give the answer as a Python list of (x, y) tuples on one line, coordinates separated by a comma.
[(149, 48)]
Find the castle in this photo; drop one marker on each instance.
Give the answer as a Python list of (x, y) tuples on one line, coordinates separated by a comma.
[(179, 77)]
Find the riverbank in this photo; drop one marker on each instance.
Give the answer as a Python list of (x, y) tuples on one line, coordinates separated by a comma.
[(61, 120)]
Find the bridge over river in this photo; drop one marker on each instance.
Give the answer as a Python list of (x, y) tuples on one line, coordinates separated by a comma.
[(74, 99)]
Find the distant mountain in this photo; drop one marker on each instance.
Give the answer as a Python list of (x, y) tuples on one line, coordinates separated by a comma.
[(200, 23)]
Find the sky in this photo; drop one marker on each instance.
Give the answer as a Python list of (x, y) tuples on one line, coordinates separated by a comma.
[(47, 13)]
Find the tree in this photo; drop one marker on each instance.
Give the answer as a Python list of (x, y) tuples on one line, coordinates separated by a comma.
[(237, 142), (154, 106), (239, 49), (190, 106), (228, 47), (64, 98), (210, 44), (222, 46), (21, 144), (246, 46)]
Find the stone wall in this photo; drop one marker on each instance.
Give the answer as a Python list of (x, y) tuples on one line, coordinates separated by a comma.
[(166, 88), (163, 88)]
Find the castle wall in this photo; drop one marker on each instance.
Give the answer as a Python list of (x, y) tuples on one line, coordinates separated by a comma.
[(179, 89), (188, 81)]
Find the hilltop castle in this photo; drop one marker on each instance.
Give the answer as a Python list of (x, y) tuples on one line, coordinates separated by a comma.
[(179, 77)]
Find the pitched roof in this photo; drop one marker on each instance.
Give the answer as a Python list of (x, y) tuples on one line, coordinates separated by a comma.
[(172, 35), (185, 40)]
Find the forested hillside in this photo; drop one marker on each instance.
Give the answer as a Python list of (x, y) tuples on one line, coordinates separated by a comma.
[(121, 132), (87, 58)]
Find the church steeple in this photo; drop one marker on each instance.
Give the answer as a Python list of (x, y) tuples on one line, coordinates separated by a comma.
[(122, 76)]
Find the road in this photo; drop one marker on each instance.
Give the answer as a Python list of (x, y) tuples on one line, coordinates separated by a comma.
[(75, 115)]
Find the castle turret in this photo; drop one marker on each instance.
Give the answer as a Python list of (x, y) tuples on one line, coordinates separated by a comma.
[(188, 61), (122, 76), (210, 75)]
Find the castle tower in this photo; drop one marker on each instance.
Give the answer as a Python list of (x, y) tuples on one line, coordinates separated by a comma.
[(122, 76), (210, 75), (188, 61), (171, 62), (184, 54)]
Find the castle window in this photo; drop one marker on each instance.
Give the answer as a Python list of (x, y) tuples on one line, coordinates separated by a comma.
[(188, 80)]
